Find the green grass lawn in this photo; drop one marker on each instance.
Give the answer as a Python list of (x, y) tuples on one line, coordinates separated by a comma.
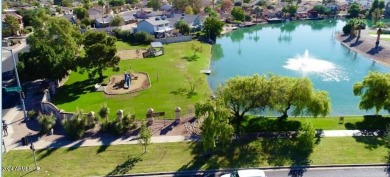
[(120, 45), (257, 124), (98, 161), (169, 86), (386, 38)]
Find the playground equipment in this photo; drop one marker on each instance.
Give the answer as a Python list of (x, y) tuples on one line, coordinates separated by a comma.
[(127, 81), (156, 49)]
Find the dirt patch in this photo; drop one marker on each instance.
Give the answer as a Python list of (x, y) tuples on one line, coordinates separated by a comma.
[(139, 81), (131, 54)]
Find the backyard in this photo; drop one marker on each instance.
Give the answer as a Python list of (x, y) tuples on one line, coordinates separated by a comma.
[(169, 84)]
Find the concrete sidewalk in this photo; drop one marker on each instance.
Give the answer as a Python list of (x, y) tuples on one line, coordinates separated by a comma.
[(19, 128)]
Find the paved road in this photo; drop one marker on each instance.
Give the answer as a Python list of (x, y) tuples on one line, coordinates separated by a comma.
[(7, 64), (379, 171)]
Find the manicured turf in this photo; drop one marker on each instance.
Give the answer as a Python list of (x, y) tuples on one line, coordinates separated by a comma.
[(262, 124), (99, 161), (385, 37), (168, 79), (120, 45)]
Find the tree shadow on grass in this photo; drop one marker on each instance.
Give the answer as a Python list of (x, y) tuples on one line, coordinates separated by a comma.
[(55, 145), (263, 124), (370, 122), (201, 160), (71, 92), (191, 94), (244, 153), (191, 58), (179, 91), (125, 166)]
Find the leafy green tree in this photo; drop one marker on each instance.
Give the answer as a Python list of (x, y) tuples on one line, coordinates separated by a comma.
[(100, 53), (188, 10), (196, 5), (34, 17), (86, 4), (121, 126), (376, 15), (155, 4), (379, 25), (180, 4), (11, 26), (216, 133), (238, 13), (378, 6), (322, 9), (304, 144), (53, 49), (353, 24), (290, 9), (297, 94), (80, 12), (117, 2), (143, 37), (46, 122), (132, 1), (144, 136), (116, 21), (183, 27), (354, 10), (374, 92), (244, 94), (213, 27)]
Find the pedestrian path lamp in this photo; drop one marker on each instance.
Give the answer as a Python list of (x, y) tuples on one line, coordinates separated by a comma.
[(35, 160), (18, 81)]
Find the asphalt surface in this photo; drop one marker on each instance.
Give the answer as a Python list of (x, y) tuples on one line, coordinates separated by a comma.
[(367, 171)]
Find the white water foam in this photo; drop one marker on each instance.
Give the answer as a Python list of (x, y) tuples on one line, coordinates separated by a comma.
[(310, 65)]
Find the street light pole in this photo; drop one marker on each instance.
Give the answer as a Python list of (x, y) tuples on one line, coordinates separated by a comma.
[(18, 81)]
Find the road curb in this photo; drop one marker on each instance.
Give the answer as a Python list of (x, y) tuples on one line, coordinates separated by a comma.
[(205, 172)]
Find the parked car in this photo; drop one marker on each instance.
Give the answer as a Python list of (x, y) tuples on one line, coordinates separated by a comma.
[(246, 173)]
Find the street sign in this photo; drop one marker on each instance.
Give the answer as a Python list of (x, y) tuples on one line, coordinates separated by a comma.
[(13, 89)]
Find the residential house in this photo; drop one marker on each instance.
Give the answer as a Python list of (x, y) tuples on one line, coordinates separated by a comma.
[(145, 13), (128, 17), (70, 17), (18, 17), (156, 26), (102, 22), (193, 21)]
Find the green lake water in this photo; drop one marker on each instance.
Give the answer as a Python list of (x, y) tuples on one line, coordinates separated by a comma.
[(296, 49)]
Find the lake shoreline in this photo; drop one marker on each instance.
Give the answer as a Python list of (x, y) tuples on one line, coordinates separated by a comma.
[(366, 45)]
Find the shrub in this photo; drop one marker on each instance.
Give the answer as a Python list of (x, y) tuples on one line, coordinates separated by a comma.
[(121, 126), (76, 126), (347, 29), (46, 122), (31, 114), (143, 37)]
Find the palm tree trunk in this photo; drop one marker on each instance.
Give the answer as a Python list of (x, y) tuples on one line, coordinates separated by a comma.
[(378, 38)]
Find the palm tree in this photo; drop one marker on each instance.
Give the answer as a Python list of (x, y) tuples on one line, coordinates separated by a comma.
[(360, 24), (379, 25), (353, 24), (104, 111)]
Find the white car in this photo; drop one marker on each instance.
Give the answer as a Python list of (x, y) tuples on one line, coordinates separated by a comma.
[(246, 173)]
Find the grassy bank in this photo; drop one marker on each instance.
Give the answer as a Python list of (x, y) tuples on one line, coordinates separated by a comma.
[(120, 45), (98, 161), (168, 75)]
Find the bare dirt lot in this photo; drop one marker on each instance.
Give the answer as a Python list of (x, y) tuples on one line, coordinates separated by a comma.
[(131, 54)]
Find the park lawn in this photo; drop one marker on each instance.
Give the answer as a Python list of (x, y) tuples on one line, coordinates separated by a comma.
[(118, 159), (385, 37), (120, 45), (169, 86), (267, 124)]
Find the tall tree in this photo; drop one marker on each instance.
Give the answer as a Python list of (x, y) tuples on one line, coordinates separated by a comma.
[(374, 92), (379, 25), (226, 5), (100, 53), (180, 4), (116, 21), (155, 4), (244, 94), (12, 26), (354, 10), (53, 48), (360, 24), (104, 111), (183, 27), (297, 94), (80, 12), (213, 27), (353, 24), (238, 14), (144, 136), (217, 133), (189, 10)]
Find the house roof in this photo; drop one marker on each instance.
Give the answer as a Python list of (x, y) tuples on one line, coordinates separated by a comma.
[(155, 22), (106, 19), (127, 16), (156, 44), (189, 19), (94, 13)]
